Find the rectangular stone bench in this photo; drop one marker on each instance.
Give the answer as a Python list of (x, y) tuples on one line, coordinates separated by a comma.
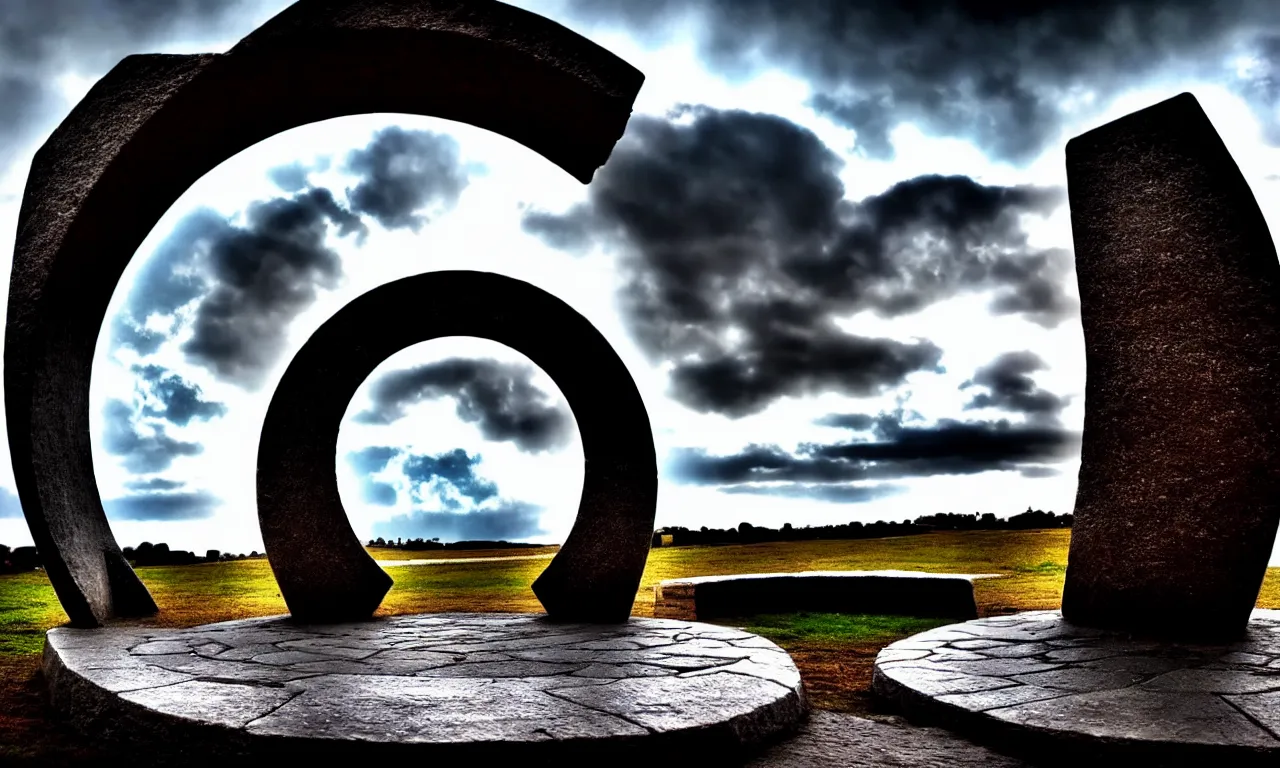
[(907, 593)]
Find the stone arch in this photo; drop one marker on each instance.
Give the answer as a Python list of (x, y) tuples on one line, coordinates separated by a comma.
[(324, 572), (156, 123)]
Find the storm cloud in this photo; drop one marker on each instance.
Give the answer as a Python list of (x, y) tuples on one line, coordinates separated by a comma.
[(137, 431), (247, 278), (39, 41), (1011, 388), (144, 448), (500, 398), (402, 173), (450, 477), (453, 502), (510, 521), (740, 251), (898, 451), (194, 505), (1006, 76), (175, 399)]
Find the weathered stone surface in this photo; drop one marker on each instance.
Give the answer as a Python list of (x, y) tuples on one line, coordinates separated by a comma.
[(834, 740), (915, 593), (1179, 493), (1153, 703), (155, 124), (314, 553), (391, 705)]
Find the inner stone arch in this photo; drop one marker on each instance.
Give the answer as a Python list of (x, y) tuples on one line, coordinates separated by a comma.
[(460, 438), (322, 568)]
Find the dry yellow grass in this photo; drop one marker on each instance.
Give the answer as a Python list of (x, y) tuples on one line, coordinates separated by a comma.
[(836, 670), (1033, 564), (391, 553)]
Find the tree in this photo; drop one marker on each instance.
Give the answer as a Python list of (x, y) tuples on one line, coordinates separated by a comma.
[(212, 556)]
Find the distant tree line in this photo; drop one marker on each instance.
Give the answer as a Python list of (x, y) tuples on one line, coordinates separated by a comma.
[(746, 533), (18, 559), (147, 553), (28, 558), (417, 545)]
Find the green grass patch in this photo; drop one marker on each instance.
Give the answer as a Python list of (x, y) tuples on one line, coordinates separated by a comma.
[(502, 578), (1045, 568), (28, 607), (833, 628)]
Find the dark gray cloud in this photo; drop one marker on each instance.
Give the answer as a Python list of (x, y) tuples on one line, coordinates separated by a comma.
[(450, 477), (500, 398), (402, 173), (369, 461), (10, 507), (1011, 388), (179, 401), (154, 484), (858, 422), (261, 276), (739, 250), (1261, 84), (898, 451), (169, 280), (834, 493), (137, 431), (194, 505), (248, 282), (998, 74), (510, 521), (145, 448), (247, 279), (40, 41)]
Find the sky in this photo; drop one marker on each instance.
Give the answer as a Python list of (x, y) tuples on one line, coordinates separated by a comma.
[(832, 248)]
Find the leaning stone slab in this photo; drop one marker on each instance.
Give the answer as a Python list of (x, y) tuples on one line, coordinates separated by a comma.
[(1167, 704), (911, 593), (1179, 493), (693, 693)]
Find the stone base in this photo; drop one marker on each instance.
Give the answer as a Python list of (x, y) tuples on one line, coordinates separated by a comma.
[(514, 686), (1063, 693), (910, 593)]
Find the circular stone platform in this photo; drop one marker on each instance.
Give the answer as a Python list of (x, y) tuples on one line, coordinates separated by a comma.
[(1036, 683), (456, 685)]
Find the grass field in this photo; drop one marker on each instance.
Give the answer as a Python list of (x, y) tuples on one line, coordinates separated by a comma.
[(834, 652)]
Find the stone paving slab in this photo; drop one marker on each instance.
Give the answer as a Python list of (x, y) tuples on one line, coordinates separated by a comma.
[(1080, 691), (915, 593), (436, 685), (839, 740)]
